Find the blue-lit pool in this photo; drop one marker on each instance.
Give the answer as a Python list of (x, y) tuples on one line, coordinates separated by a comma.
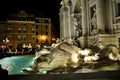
[(15, 64)]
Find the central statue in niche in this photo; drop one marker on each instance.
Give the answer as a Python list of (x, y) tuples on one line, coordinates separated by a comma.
[(67, 57)]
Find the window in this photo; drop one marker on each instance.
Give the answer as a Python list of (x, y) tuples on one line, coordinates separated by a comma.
[(19, 30), (36, 33), (33, 38), (33, 25), (46, 21), (24, 37), (36, 26), (33, 30), (37, 20), (46, 40), (46, 27), (5, 31), (9, 37), (9, 30), (19, 24), (46, 33), (24, 30), (19, 38), (117, 7), (36, 40), (24, 24)]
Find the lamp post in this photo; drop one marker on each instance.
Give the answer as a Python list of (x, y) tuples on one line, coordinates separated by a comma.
[(6, 40)]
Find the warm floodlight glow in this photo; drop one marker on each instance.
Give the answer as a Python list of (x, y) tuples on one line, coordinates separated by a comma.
[(91, 58), (85, 52), (74, 58), (6, 40), (42, 37)]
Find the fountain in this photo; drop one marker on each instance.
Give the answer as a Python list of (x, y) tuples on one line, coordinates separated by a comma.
[(14, 64), (67, 57)]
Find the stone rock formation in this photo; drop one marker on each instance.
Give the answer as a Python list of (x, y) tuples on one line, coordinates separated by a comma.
[(67, 55)]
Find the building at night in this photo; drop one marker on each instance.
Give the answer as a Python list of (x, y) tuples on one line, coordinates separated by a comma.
[(84, 19), (22, 28)]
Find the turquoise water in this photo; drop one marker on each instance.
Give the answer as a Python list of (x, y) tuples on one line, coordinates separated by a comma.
[(15, 64)]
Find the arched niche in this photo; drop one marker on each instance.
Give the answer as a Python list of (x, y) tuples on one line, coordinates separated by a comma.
[(77, 7), (78, 18)]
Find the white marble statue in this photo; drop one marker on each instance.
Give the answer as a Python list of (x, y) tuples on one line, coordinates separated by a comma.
[(67, 55)]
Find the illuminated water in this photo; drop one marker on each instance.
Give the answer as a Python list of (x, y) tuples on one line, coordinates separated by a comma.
[(14, 64)]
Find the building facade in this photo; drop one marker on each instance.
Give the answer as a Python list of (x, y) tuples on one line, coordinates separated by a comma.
[(22, 28), (83, 19)]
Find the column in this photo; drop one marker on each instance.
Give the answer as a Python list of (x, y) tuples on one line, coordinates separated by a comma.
[(69, 22), (72, 25), (84, 17), (113, 10), (84, 38), (100, 16), (64, 22), (109, 16), (69, 18), (61, 24)]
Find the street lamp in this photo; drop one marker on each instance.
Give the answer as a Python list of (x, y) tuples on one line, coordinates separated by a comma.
[(6, 40), (42, 37)]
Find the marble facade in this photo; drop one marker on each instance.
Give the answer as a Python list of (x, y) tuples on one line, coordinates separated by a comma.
[(83, 19)]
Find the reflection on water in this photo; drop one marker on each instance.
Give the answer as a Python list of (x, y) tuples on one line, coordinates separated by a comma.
[(15, 64)]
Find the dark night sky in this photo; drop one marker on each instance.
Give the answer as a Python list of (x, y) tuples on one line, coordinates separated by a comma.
[(48, 7)]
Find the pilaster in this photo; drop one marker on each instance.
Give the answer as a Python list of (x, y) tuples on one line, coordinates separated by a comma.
[(84, 17), (100, 16)]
